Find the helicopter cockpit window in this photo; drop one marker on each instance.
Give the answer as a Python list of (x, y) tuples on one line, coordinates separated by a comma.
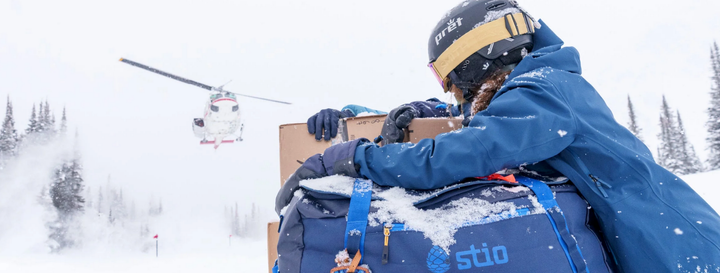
[(235, 108), (216, 96), (199, 122), (230, 95), (214, 108)]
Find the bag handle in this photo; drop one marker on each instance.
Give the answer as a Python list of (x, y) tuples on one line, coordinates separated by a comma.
[(357, 219)]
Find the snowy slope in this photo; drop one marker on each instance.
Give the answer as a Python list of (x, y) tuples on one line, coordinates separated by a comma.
[(244, 256), (209, 252)]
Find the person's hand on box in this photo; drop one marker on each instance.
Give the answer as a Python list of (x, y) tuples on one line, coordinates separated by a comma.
[(325, 123), (400, 118)]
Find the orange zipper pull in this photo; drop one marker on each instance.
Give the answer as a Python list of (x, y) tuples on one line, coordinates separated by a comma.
[(385, 254)]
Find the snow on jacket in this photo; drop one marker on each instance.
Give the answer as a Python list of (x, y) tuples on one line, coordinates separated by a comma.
[(546, 112)]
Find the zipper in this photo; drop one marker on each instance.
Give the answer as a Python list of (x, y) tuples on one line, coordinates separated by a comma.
[(599, 184), (387, 229), (386, 250)]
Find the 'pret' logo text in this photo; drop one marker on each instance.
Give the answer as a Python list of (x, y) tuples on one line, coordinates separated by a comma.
[(451, 26)]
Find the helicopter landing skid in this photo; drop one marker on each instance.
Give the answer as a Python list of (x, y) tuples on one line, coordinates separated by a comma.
[(213, 142), (239, 138)]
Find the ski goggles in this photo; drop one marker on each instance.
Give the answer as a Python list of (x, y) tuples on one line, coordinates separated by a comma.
[(444, 81), (475, 40)]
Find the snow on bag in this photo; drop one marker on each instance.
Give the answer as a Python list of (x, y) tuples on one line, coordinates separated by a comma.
[(340, 224)]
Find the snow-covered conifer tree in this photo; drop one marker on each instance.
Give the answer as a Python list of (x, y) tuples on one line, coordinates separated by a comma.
[(632, 126), (690, 161), (70, 187), (713, 123), (45, 124), (669, 154), (88, 198), (65, 192), (253, 224), (117, 205), (41, 118), (52, 124), (63, 123), (144, 230), (132, 212), (100, 201), (33, 126), (231, 221), (236, 222), (155, 208), (245, 227), (49, 120), (8, 135)]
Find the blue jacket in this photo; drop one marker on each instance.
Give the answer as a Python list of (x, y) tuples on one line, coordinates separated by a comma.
[(547, 114), (353, 110)]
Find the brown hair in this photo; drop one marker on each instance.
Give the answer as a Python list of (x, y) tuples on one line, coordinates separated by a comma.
[(483, 94)]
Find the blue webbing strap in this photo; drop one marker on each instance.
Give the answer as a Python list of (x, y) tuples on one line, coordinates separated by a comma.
[(357, 219), (557, 219)]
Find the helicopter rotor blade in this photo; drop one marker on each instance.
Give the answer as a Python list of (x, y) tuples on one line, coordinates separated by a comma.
[(174, 77), (201, 85), (259, 98)]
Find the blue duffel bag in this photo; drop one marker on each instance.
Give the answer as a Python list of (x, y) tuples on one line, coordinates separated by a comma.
[(340, 224)]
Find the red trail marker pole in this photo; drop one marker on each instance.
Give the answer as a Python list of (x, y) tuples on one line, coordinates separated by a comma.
[(156, 245)]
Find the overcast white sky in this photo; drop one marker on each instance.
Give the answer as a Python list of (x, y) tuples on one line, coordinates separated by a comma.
[(317, 54)]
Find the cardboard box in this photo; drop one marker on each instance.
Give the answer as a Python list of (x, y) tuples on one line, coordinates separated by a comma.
[(366, 126), (272, 240), (296, 145), (421, 128)]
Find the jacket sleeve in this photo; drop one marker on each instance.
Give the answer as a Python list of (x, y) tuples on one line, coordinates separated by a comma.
[(357, 109), (527, 122)]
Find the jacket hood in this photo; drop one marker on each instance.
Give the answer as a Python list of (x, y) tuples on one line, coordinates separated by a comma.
[(548, 52)]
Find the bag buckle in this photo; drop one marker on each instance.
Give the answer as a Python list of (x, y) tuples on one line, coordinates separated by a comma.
[(354, 266)]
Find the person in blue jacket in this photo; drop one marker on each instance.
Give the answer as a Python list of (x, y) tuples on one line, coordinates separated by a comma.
[(531, 108)]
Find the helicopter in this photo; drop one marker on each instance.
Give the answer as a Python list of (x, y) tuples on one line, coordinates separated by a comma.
[(222, 112)]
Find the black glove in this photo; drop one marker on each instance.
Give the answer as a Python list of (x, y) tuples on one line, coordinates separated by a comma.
[(397, 120), (325, 123), (400, 118)]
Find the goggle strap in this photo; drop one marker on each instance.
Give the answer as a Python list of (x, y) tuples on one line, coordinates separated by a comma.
[(478, 38)]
